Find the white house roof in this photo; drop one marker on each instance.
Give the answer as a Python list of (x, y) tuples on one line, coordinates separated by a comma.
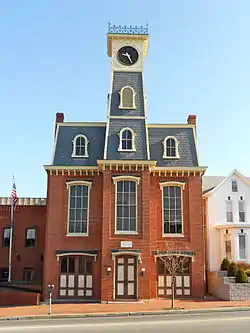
[(211, 183)]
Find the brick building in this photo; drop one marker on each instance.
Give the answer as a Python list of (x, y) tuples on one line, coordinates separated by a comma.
[(121, 194)]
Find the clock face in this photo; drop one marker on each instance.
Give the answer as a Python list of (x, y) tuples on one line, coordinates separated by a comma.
[(127, 55)]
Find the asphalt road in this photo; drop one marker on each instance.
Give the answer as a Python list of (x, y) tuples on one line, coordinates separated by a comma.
[(234, 322)]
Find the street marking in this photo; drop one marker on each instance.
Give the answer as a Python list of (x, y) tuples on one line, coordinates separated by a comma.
[(125, 323)]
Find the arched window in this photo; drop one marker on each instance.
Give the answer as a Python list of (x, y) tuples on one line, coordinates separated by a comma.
[(126, 204), (78, 208), (170, 147), (127, 140), (80, 146), (172, 208), (127, 98)]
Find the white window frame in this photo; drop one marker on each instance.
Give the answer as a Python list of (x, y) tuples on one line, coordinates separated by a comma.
[(137, 181), (244, 210), (69, 184), (232, 211), (182, 186), (120, 139), (121, 106), (246, 254), (164, 142), (86, 154), (234, 180)]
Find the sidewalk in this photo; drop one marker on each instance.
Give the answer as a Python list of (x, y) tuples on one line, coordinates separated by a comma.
[(116, 308)]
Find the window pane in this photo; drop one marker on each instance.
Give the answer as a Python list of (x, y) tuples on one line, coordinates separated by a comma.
[(64, 265), (78, 216), (71, 265), (126, 205), (127, 97), (89, 267), (172, 205)]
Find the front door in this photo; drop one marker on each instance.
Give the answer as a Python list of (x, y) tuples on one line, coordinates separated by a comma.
[(126, 277), (182, 286), (76, 277)]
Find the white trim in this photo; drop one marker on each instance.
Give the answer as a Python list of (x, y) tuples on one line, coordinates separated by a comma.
[(196, 144), (82, 124), (75, 254), (120, 139), (69, 184), (126, 177), (238, 246), (108, 114), (115, 181), (121, 106), (86, 142), (164, 142), (127, 117), (166, 184), (146, 116), (55, 144), (172, 183)]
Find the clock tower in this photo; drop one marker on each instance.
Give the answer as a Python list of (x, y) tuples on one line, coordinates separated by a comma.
[(126, 132)]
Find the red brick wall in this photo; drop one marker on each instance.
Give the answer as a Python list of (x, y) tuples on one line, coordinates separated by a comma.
[(18, 298), (24, 217), (56, 228)]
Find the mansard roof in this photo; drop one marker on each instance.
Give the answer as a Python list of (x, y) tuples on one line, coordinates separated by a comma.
[(95, 133), (65, 134), (185, 136)]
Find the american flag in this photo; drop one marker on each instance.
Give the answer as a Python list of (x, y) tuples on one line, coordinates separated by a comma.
[(14, 195)]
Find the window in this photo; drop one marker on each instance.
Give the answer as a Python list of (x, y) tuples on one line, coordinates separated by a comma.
[(85, 266), (4, 273), (229, 214), (172, 208), (127, 140), (127, 98), (68, 265), (228, 249), (242, 246), (80, 146), (30, 239), (126, 204), (78, 215), (242, 211), (234, 186), (6, 237), (170, 147), (28, 274)]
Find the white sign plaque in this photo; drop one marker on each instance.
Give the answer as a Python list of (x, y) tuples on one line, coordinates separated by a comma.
[(126, 244)]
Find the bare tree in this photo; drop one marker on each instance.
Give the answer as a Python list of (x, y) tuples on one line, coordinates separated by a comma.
[(174, 262)]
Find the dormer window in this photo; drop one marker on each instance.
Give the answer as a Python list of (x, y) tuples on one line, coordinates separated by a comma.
[(126, 140), (80, 146), (170, 147), (127, 98)]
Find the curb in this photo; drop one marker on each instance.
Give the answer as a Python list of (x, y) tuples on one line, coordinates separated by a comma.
[(128, 314)]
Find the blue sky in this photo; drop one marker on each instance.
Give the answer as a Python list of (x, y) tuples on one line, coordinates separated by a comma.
[(53, 59)]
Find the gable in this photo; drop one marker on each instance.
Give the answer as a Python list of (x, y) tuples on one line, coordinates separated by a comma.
[(217, 184)]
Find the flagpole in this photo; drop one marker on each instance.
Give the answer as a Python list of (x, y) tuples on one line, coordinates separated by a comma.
[(11, 238)]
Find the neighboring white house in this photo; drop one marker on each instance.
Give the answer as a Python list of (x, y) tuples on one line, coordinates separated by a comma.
[(227, 219)]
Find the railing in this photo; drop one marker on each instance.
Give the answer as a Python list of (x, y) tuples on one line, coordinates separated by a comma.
[(128, 29)]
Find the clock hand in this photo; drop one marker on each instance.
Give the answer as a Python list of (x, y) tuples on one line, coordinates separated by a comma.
[(128, 55)]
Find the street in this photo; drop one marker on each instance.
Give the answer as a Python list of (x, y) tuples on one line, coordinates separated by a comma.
[(222, 322)]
